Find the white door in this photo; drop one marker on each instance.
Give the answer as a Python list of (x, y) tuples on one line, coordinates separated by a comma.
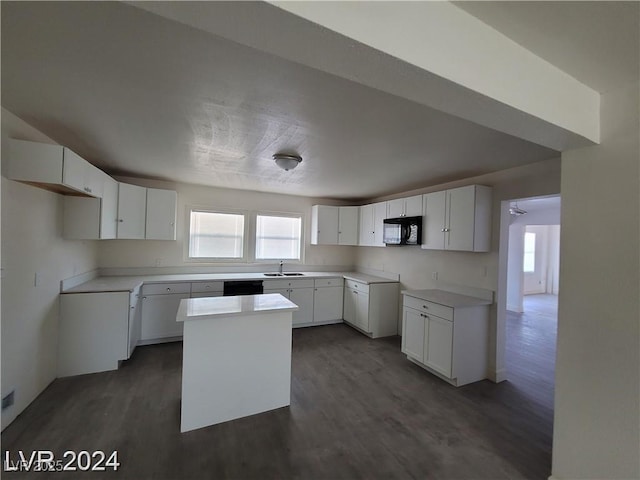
[(159, 316), (132, 211), (439, 345), (161, 214), (350, 301), (109, 208), (327, 225), (327, 304), (413, 206), (395, 208), (362, 311), (379, 214), (366, 226), (433, 220), (303, 298), (413, 334), (348, 225), (460, 218)]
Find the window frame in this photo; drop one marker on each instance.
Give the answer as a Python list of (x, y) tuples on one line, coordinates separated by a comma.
[(250, 236), (228, 211), (526, 252), (254, 235)]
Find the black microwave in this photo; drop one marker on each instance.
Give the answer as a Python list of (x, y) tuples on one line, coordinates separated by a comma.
[(402, 231)]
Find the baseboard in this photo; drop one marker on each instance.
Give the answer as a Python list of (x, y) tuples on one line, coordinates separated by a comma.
[(498, 376)]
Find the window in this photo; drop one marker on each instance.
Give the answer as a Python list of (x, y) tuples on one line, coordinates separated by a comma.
[(278, 237), (529, 263), (216, 235)]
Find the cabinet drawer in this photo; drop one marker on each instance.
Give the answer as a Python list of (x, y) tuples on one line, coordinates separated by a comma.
[(361, 287), (429, 307), (166, 288), (199, 287), (287, 283), (329, 282)]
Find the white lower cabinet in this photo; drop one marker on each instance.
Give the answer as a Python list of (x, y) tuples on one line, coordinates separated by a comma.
[(160, 303), (97, 331), (372, 308), (327, 300), (449, 341), (299, 291)]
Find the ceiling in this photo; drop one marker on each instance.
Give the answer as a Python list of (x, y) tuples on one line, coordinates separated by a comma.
[(140, 95)]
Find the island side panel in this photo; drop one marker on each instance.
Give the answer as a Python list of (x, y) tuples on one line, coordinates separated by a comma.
[(234, 367)]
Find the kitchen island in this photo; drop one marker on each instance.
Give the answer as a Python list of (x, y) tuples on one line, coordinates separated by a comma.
[(236, 357)]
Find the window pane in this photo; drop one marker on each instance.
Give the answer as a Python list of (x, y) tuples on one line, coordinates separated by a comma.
[(216, 235), (529, 263), (278, 238)]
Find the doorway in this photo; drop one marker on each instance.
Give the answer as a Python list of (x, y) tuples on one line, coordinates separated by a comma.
[(532, 289)]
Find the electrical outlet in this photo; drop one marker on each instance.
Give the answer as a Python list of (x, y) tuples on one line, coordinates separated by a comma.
[(434, 276), (8, 399)]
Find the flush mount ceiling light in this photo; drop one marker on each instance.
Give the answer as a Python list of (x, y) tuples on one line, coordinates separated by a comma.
[(287, 162), (514, 210)]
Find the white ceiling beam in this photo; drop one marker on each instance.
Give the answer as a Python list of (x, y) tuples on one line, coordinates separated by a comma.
[(432, 53)]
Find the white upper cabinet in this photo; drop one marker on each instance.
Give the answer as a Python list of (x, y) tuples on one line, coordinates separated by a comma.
[(332, 225), (405, 207), (87, 218), (52, 167), (324, 225), (379, 214), (161, 214), (348, 222), (371, 224), (109, 208), (458, 219), (132, 210)]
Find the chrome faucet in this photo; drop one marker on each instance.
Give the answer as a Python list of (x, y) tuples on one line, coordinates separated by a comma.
[(280, 267)]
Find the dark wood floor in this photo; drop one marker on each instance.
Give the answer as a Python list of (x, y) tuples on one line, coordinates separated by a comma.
[(359, 410)]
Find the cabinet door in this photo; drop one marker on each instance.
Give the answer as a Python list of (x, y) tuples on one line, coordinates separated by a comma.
[(434, 220), (365, 237), (362, 311), (460, 218), (161, 214), (109, 208), (413, 206), (134, 320), (327, 304), (395, 208), (303, 297), (413, 339), (132, 211), (324, 225), (439, 345), (348, 225), (74, 171), (379, 214), (159, 316), (350, 301)]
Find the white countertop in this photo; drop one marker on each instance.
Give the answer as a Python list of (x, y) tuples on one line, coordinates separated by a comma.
[(130, 283), (212, 307), (448, 299)]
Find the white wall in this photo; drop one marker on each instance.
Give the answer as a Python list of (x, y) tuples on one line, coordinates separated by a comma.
[(514, 267), (596, 429), (172, 254), (553, 259), (416, 266), (32, 244)]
